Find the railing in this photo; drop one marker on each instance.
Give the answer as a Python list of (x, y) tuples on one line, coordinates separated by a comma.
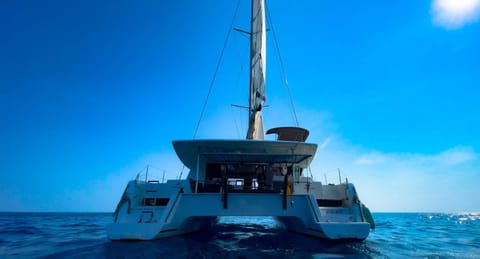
[(151, 174), (329, 177)]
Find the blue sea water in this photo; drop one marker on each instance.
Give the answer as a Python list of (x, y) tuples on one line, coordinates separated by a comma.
[(82, 235)]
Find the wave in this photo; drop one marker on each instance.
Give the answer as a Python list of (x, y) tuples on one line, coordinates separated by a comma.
[(397, 235)]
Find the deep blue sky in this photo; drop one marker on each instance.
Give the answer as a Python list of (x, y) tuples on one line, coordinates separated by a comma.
[(91, 92)]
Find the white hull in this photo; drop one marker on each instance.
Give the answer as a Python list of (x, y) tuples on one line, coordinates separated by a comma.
[(188, 212)]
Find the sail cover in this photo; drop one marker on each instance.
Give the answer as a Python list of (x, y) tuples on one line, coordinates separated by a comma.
[(257, 70)]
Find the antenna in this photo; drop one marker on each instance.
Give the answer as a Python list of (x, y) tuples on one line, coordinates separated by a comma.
[(339, 176), (146, 174)]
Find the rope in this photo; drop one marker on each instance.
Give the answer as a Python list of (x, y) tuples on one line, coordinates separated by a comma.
[(284, 74)]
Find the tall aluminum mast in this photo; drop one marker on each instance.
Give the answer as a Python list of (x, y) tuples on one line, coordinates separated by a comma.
[(257, 70)]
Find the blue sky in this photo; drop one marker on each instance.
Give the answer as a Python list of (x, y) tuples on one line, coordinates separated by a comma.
[(91, 92)]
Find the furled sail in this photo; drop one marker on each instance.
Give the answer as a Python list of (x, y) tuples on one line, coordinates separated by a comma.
[(257, 70)]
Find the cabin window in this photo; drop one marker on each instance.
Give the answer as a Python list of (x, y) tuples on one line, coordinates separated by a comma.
[(329, 203), (245, 177), (162, 201), (236, 183), (155, 201), (148, 202)]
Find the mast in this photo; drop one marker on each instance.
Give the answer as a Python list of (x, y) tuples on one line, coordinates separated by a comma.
[(257, 70)]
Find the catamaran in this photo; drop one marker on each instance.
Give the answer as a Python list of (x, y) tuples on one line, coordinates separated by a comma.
[(250, 177)]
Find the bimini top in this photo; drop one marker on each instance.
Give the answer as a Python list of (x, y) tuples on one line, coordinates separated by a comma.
[(244, 151), (290, 133)]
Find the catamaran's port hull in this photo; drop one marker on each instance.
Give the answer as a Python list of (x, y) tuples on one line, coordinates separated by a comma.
[(194, 212)]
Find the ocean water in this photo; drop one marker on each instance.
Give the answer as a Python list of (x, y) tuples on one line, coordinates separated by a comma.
[(82, 235)]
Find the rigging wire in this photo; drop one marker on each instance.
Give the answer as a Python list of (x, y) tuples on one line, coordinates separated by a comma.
[(284, 74), (219, 62)]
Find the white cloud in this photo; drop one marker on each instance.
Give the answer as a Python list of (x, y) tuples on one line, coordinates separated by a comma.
[(370, 159), (454, 14), (457, 155), (454, 156), (405, 182)]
